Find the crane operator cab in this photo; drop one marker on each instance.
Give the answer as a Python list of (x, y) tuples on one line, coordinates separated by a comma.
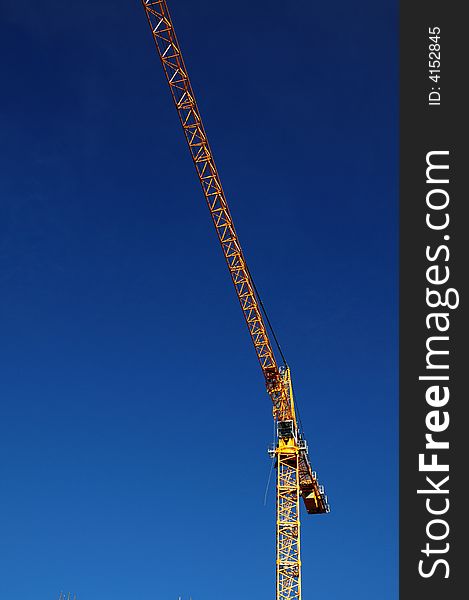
[(286, 430)]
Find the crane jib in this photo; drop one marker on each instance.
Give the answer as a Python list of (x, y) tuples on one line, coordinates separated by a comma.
[(184, 99), (295, 477)]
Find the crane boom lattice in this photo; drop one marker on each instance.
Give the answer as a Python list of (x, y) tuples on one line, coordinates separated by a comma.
[(294, 474)]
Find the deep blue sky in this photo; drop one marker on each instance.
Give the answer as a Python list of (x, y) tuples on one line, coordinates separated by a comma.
[(134, 422)]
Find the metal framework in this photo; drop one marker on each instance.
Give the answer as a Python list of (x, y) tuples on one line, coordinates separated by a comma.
[(295, 476), (288, 521)]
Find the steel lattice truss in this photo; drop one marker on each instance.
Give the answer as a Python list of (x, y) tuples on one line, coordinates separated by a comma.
[(288, 523), (295, 476), (189, 115)]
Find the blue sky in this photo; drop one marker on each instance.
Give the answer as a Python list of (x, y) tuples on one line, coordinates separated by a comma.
[(134, 419)]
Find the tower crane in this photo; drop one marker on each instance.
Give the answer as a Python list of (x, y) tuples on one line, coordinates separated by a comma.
[(295, 477)]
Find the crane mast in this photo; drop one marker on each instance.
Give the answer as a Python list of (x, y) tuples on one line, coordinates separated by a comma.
[(295, 477)]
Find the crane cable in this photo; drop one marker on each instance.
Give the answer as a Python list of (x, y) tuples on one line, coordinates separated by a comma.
[(264, 311), (271, 467), (272, 330)]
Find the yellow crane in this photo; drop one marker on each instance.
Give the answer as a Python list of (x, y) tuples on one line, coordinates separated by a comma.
[(295, 476)]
